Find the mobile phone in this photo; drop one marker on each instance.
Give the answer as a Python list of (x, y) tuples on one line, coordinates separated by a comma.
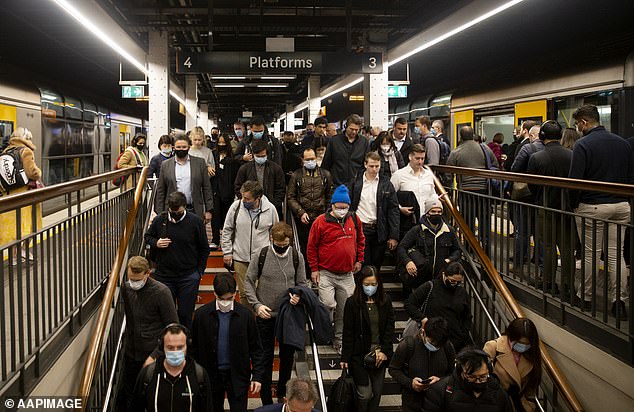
[(426, 381)]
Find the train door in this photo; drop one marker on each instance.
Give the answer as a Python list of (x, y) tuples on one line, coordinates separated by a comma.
[(460, 120), (7, 124), (488, 125), (535, 110)]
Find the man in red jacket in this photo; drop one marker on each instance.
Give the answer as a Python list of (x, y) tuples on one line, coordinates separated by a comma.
[(335, 252)]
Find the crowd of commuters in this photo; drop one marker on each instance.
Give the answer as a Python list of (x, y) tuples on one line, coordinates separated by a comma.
[(353, 196)]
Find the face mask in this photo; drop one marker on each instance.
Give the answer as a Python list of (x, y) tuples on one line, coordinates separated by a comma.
[(214, 137), (280, 250), (249, 205), (225, 305), (475, 386), (181, 153), (166, 152), (310, 164), (258, 135), (434, 219), (449, 285), (136, 284), (239, 133), (140, 146), (417, 130), (433, 132), (341, 213), (431, 347), (521, 347), (369, 290), (175, 358), (260, 160), (385, 148), (222, 147), (176, 216)]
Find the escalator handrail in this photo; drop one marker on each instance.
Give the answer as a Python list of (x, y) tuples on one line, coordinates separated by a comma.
[(98, 337), (549, 365)]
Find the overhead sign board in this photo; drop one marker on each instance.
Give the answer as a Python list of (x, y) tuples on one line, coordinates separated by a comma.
[(287, 63), (132, 92), (396, 91)]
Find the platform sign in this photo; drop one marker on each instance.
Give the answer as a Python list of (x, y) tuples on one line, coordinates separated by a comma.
[(282, 62), (132, 92), (396, 91)]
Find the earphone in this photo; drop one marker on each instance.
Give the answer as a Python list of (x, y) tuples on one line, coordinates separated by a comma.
[(181, 328)]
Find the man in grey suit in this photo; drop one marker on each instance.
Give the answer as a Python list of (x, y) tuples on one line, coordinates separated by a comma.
[(188, 175)]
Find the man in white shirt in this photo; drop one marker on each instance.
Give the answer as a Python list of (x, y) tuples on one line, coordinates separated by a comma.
[(417, 179)]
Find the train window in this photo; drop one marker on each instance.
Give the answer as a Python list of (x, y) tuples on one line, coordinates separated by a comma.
[(488, 126), (606, 102), (440, 106), (74, 108), (53, 151), (90, 112), (52, 104)]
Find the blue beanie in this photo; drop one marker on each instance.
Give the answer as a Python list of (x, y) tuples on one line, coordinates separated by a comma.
[(340, 195)]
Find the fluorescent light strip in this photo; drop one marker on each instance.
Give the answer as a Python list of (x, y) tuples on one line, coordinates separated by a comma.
[(455, 31), (279, 85), (342, 88), (177, 98), (233, 86), (68, 8), (278, 77), (228, 77)]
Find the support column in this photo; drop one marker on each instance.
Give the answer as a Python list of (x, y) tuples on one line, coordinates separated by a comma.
[(158, 106), (203, 118), (277, 129), (191, 102), (375, 103), (290, 118), (314, 100)]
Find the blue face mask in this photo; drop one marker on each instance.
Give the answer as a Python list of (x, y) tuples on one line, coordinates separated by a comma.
[(239, 133), (431, 347), (521, 347), (417, 130), (433, 132), (175, 358), (258, 135), (248, 205), (260, 160), (369, 290)]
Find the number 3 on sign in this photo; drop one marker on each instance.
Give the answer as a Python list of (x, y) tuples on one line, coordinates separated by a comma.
[(372, 62), (188, 63)]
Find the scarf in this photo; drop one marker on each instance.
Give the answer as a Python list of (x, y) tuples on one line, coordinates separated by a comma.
[(391, 158)]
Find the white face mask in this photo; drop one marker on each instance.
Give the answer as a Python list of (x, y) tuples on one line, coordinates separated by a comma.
[(341, 213), (137, 284), (385, 148), (225, 305)]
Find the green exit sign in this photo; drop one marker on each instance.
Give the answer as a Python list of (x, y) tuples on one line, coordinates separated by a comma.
[(396, 91), (132, 92)]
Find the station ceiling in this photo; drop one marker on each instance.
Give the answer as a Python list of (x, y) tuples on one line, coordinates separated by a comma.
[(534, 37)]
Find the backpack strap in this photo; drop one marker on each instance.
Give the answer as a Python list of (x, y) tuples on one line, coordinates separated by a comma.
[(262, 259), (356, 229), (148, 375), (200, 377), (235, 221), (423, 307)]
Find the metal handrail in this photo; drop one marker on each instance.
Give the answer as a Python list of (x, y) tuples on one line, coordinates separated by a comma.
[(98, 337), (558, 378)]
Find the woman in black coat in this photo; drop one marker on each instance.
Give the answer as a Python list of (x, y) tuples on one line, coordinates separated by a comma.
[(427, 248), (222, 184), (391, 158), (368, 328), (422, 360)]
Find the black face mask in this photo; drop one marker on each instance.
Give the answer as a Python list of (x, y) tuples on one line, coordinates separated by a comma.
[(181, 153), (176, 216), (475, 386), (434, 219), (280, 250), (222, 147), (140, 146)]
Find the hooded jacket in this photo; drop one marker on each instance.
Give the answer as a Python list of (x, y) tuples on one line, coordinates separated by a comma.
[(448, 395)]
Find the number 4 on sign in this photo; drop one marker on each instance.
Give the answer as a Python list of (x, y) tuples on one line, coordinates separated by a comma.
[(188, 62)]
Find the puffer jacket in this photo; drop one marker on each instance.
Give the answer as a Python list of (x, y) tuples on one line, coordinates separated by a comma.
[(306, 192)]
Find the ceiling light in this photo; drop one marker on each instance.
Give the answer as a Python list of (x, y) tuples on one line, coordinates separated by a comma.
[(342, 88), (229, 85), (273, 85), (278, 77), (175, 96), (228, 77), (68, 8)]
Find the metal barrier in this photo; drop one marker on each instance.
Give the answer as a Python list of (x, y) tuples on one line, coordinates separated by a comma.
[(540, 251), (51, 278), (503, 306)]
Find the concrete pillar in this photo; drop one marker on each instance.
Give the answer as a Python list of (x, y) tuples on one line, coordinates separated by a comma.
[(191, 101), (203, 118), (314, 101), (375, 103), (159, 110), (290, 118)]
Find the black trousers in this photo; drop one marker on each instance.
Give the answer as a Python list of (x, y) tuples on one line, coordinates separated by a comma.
[(302, 234), (237, 401), (131, 369), (266, 327), (374, 250)]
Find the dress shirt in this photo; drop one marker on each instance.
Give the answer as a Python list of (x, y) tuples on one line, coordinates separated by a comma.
[(422, 185), (183, 174), (367, 202)]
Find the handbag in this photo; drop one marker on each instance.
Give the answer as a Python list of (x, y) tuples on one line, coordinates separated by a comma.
[(494, 184), (369, 360), (520, 191), (343, 394), (412, 326)]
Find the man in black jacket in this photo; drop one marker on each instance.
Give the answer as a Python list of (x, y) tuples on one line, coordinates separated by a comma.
[(175, 382), (149, 308), (553, 229), (244, 152), (346, 152), (226, 343), (180, 241), (471, 387), (268, 173), (374, 201), (402, 141)]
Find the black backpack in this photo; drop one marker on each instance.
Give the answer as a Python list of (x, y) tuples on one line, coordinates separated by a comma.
[(262, 259), (445, 150), (12, 174), (343, 394)]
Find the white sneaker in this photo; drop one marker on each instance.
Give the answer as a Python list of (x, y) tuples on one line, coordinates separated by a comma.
[(213, 246)]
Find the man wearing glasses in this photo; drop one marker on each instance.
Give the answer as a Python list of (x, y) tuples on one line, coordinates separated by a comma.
[(471, 387), (345, 155)]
